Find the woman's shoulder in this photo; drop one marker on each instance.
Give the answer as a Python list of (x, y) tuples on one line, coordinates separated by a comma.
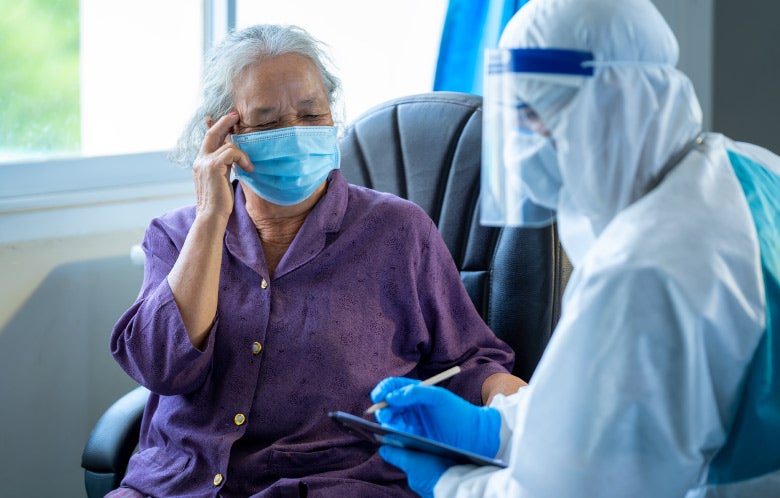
[(374, 201), (176, 221), (383, 214)]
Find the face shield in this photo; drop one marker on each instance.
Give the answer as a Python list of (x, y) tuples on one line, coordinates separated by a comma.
[(523, 90)]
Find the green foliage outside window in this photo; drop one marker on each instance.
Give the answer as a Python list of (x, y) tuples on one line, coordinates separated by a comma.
[(39, 78)]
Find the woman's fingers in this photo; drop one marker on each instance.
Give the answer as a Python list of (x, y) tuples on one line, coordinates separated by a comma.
[(240, 156), (211, 170), (217, 133), (226, 155), (218, 149)]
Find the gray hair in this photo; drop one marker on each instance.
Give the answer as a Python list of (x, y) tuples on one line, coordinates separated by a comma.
[(224, 63)]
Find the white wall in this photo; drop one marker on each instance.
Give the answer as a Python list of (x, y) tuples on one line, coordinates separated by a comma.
[(692, 23), (66, 275)]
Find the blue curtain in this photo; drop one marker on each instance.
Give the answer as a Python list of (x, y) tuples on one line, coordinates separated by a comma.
[(470, 27)]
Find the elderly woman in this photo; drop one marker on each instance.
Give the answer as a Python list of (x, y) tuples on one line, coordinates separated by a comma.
[(285, 294)]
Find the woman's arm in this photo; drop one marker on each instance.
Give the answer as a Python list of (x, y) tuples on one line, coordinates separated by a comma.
[(194, 279), (500, 383)]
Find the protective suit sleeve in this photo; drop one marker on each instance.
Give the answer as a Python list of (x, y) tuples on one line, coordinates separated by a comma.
[(462, 481), (624, 403), (512, 410)]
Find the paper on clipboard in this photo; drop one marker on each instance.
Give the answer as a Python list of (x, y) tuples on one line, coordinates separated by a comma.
[(379, 434)]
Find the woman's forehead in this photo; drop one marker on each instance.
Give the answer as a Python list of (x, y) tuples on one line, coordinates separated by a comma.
[(288, 80)]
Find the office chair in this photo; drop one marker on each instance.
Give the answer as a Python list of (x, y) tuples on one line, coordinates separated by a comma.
[(425, 148)]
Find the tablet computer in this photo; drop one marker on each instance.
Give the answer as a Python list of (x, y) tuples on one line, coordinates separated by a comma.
[(379, 434)]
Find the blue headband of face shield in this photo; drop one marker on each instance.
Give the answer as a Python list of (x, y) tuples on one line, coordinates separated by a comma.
[(520, 179), (539, 60)]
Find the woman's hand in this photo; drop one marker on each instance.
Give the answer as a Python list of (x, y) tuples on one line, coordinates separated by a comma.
[(194, 278), (211, 170)]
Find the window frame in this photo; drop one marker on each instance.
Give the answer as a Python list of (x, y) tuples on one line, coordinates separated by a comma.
[(39, 197), (34, 190), (57, 198)]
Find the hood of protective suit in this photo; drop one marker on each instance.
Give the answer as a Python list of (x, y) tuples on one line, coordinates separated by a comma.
[(614, 131)]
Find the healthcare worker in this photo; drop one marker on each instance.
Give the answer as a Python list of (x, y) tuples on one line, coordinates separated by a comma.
[(661, 379)]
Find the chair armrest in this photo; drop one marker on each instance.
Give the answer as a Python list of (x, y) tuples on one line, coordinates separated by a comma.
[(115, 436)]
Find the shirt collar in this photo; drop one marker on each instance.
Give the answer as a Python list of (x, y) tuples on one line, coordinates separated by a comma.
[(326, 217)]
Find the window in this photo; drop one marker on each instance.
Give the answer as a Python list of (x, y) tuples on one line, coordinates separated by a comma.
[(381, 51), (140, 73), (96, 77), (111, 77), (39, 78)]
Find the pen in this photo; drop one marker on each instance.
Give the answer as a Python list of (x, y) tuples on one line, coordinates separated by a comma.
[(427, 382)]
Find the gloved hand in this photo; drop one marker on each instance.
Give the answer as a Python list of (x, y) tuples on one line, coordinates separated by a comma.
[(423, 471), (439, 414)]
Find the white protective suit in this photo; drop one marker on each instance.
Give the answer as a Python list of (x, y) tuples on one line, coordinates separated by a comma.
[(667, 308)]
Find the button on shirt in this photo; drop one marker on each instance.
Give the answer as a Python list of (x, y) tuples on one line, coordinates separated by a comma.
[(367, 290)]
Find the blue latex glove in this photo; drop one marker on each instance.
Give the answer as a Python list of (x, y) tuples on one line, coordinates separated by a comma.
[(439, 414), (423, 471)]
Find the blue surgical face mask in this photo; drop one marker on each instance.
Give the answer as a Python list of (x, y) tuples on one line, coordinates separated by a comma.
[(290, 163)]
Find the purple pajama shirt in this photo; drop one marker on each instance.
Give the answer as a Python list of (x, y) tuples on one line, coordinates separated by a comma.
[(367, 290)]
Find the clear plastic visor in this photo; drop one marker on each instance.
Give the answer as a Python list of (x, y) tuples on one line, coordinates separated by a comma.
[(520, 178)]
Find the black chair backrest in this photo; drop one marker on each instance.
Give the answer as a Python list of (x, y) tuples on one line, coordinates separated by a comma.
[(427, 148)]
